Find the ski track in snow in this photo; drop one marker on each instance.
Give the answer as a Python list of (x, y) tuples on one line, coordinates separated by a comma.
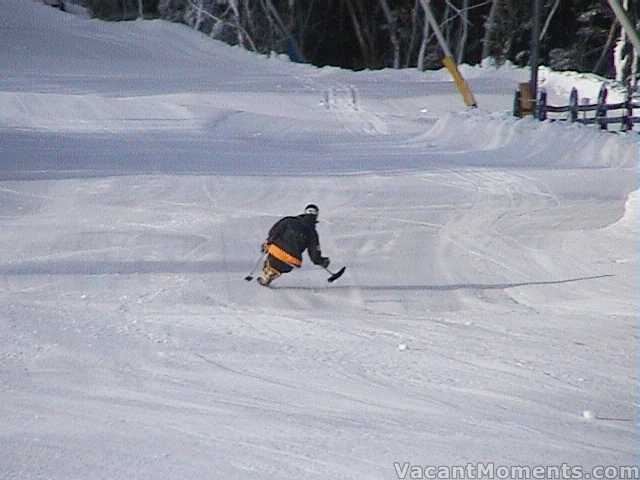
[(134, 195)]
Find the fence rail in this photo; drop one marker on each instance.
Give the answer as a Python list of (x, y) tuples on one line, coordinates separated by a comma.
[(625, 117)]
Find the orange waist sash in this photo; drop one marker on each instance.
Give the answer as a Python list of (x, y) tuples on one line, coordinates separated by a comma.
[(284, 256)]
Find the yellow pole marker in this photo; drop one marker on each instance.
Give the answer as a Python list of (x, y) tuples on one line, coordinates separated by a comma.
[(448, 61), (461, 83)]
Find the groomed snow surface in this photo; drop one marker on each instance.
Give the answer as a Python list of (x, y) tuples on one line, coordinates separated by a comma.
[(490, 297)]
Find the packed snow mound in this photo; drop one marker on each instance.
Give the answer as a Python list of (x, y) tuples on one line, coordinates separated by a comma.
[(91, 113), (630, 218), (62, 53), (629, 223), (501, 140), (559, 84)]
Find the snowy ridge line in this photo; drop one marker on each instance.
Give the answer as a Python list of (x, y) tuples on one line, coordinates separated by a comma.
[(528, 142), (91, 113), (559, 84), (175, 111), (629, 221), (62, 174)]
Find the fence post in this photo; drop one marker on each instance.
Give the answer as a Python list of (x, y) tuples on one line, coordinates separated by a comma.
[(542, 106), (627, 119), (517, 110), (573, 105), (601, 112)]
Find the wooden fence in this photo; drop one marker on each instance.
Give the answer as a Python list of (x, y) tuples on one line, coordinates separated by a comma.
[(590, 113)]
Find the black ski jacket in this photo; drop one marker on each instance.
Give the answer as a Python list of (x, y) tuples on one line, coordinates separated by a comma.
[(295, 235)]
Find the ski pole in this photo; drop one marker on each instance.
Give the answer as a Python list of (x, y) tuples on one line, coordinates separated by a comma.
[(334, 275), (249, 277)]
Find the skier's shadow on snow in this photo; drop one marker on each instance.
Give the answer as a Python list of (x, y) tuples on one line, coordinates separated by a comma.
[(91, 267), (457, 286)]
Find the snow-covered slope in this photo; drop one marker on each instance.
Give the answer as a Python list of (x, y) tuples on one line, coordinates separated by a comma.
[(141, 165)]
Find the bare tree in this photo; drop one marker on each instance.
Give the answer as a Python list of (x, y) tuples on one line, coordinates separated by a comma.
[(607, 47), (462, 43), (364, 49), (195, 13), (622, 54), (233, 4), (377, 33), (423, 45), (414, 30), (393, 35), (547, 22), (634, 71), (489, 29)]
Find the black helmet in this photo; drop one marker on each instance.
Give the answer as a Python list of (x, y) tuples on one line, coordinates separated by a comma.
[(311, 209)]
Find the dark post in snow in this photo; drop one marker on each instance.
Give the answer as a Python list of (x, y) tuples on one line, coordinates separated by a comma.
[(573, 105), (535, 48)]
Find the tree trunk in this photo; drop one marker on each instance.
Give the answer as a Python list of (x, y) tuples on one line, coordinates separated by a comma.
[(549, 18), (369, 29), (358, 31), (392, 33), (634, 70), (391, 23), (248, 16), (446, 23), (423, 45), (620, 57), (198, 8), (412, 38), (286, 32), (465, 32), (236, 13), (489, 28), (605, 51)]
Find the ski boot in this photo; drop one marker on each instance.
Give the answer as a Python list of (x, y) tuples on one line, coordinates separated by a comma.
[(264, 282), (269, 274)]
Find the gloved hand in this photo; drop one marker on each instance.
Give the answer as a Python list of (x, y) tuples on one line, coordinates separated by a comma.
[(325, 262), (265, 247)]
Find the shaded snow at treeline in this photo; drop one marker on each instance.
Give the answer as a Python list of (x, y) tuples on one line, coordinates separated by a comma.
[(577, 34)]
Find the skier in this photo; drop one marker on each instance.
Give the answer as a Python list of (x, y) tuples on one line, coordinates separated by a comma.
[(288, 238)]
